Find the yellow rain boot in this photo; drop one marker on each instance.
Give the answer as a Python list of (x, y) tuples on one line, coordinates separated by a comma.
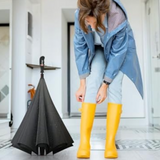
[(87, 118), (113, 117)]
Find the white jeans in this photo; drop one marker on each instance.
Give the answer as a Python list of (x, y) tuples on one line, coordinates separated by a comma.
[(95, 80)]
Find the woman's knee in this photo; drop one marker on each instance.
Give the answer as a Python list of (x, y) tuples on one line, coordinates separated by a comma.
[(93, 82), (92, 86)]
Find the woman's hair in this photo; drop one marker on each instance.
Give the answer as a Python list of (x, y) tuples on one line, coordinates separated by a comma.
[(94, 8)]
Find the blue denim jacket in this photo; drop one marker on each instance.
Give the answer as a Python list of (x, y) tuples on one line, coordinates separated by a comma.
[(119, 51)]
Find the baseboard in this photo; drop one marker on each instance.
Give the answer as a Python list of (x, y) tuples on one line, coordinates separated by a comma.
[(102, 121)]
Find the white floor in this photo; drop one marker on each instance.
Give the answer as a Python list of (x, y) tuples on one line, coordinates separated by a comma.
[(135, 143)]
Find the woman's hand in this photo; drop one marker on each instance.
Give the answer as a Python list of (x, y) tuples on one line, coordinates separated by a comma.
[(102, 93), (81, 91)]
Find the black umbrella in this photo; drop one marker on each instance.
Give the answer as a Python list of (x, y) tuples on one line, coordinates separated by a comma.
[(42, 130)]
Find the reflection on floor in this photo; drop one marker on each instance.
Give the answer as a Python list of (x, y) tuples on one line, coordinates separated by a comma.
[(132, 142)]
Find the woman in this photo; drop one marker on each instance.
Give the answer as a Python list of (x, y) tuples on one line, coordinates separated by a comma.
[(105, 50)]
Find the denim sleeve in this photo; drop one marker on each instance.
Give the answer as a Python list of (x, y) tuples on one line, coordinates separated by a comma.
[(80, 51), (117, 54)]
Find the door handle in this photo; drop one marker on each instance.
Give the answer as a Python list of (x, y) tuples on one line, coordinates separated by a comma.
[(157, 69), (158, 56)]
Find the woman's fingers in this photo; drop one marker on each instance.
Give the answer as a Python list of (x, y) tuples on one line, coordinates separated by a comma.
[(80, 94), (101, 100), (79, 97), (82, 97), (97, 97)]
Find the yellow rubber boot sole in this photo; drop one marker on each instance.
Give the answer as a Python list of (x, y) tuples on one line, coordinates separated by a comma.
[(87, 118), (113, 118)]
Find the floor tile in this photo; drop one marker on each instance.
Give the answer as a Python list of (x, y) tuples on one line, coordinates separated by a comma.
[(128, 137)]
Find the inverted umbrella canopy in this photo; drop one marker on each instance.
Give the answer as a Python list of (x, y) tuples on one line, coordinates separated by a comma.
[(42, 130)]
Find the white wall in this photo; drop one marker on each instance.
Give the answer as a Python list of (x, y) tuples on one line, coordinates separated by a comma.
[(24, 51), (133, 105), (64, 63), (18, 68), (36, 43), (52, 40), (6, 4)]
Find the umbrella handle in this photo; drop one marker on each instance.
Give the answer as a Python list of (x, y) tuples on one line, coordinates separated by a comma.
[(41, 63)]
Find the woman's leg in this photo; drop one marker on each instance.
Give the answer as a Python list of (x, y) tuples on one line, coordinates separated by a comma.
[(94, 81), (114, 111), (115, 89)]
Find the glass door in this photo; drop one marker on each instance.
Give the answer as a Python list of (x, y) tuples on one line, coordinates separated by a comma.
[(154, 43), (5, 73)]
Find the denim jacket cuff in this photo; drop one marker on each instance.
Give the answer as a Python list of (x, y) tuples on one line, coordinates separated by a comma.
[(83, 76), (107, 79)]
